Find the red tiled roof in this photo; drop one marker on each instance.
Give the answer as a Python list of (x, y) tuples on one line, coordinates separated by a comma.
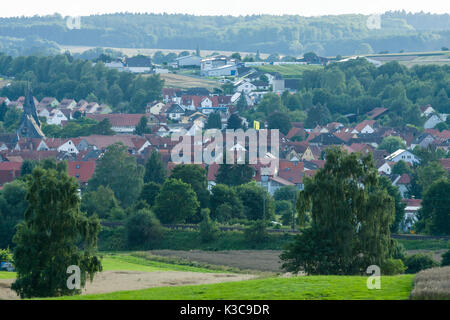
[(212, 171), (404, 179), (81, 170), (344, 136), (412, 202), (445, 163), (295, 132), (9, 171), (118, 119), (102, 142), (363, 124), (291, 171), (376, 112)]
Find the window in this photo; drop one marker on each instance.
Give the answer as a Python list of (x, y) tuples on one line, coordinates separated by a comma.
[(78, 166)]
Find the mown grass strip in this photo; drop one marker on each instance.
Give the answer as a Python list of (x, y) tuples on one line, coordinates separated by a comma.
[(297, 288), (7, 275)]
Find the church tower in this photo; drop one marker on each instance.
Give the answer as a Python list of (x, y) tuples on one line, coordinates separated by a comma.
[(30, 126)]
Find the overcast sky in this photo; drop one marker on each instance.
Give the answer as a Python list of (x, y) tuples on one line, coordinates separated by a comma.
[(218, 7)]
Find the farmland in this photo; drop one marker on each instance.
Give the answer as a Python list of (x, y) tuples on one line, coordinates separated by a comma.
[(289, 71), (414, 58), (275, 288), (185, 82), (151, 51)]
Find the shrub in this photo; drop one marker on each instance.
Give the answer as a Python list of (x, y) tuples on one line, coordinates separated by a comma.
[(392, 266), (208, 229), (256, 232), (117, 214), (398, 250), (418, 262), (446, 259), (5, 255), (143, 228), (224, 212), (112, 239)]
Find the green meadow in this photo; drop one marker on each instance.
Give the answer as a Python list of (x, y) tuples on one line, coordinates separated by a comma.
[(296, 288)]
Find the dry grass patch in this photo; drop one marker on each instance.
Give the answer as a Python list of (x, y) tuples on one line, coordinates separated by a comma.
[(432, 284)]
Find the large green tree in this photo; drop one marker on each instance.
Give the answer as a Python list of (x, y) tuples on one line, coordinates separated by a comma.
[(392, 144), (434, 216), (195, 175), (281, 121), (155, 170), (224, 195), (100, 202), (119, 171), (351, 215), (234, 174), (53, 236), (258, 203), (176, 203), (13, 204)]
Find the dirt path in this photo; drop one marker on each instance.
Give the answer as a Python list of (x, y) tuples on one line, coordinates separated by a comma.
[(261, 260), (112, 281)]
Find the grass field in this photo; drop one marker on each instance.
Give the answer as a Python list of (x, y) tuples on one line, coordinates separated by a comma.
[(298, 288), (133, 263), (290, 71), (424, 244), (7, 275)]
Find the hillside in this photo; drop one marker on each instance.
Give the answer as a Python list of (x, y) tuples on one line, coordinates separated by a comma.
[(325, 35)]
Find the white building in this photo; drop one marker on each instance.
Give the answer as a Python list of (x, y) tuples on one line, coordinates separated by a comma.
[(188, 61), (404, 155)]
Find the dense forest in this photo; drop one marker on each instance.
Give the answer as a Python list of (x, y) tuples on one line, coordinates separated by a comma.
[(294, 35), (354, 88), (62, 76)]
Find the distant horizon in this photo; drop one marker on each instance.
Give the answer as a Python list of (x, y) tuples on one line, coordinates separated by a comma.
[(27, 8), (214, 15)]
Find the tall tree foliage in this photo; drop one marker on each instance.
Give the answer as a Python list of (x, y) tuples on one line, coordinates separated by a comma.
[(155, 171), (53, 236), (351, 214), (119, 171), (176, 203)]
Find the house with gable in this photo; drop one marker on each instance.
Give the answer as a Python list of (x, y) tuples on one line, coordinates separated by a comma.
[(404, 155), (366, 126)]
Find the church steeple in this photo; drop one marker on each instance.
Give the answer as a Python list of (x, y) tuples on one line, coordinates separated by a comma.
[(30, 126), (29, 108)]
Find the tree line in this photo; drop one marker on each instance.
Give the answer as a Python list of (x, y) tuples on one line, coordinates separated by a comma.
[(287, 34), (63, 76)]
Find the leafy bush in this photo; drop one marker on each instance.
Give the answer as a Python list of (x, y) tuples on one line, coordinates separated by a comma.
[(256, 232), (112, 239), (398, 250), (418, 262), (5, 255), (208, 229), (392, 266), (446, 259), (143, 228)]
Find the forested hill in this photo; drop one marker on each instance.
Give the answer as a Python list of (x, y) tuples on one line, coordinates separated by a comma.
[(294, 35)]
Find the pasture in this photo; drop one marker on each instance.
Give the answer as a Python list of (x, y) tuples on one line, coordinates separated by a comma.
[(275, 288)]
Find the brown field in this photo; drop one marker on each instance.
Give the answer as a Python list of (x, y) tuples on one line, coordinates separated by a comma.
[(186, 82), (260, 260), (112, 281), (432, 284), (150, 51), (410, 59)]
